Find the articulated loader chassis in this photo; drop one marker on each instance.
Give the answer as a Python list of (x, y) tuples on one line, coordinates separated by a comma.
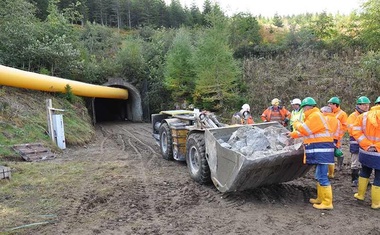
[(193, 137)]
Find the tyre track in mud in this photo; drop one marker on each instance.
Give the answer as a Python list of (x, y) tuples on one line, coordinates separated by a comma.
[(161, 197), (140, 153), (144, 170), (169, 195), (130, 134), (117, 143), (113, 141)]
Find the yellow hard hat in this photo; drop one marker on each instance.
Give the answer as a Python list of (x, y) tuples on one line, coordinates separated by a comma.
[(276, 102)]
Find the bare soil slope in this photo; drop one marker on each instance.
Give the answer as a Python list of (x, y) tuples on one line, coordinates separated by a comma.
[(145, 194)]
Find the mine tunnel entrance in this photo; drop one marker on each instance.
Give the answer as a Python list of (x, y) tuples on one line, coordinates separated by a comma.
[(105, 110), (110, 110)]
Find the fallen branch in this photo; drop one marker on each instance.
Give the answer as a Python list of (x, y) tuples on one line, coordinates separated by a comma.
[(30, 225)]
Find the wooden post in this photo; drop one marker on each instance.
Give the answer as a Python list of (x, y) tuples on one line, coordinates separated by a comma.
[(49, 107), (5, 172)]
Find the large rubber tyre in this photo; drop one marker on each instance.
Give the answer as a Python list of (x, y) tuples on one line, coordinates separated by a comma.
[(196, 158), (166, 142)]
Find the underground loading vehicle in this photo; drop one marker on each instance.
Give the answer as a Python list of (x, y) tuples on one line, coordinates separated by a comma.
[(195, 137)]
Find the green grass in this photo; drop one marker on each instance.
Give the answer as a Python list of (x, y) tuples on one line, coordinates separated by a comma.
[(38, 190), (42, 191), (35, 190), (23, 120)]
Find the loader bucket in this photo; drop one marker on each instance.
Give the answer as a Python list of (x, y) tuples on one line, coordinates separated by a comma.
[(233, 171)]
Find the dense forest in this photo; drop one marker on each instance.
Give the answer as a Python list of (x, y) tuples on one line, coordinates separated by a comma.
[(175, 55)]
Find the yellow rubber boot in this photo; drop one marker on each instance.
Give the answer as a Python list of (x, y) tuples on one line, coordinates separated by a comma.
[(362, 188), (331, 169), (326, 193), (375, 194), (317, 200)]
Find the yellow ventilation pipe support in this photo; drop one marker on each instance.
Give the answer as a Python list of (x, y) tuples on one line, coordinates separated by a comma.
[(34, 81)]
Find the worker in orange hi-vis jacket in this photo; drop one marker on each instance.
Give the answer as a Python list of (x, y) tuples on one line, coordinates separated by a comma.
[(319, 149), (366, 131), (243, 116), (276, 112), (335, 130), (342, 116), (362, 106)]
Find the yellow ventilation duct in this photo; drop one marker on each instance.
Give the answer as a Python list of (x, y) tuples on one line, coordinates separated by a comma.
[(23, 79)]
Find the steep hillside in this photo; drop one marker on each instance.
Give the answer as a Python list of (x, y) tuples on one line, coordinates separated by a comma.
[(316, 74), (23, 119)]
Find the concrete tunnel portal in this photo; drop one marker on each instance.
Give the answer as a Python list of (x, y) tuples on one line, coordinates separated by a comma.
[(108, 110)]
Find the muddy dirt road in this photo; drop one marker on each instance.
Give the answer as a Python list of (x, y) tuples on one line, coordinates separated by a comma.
[(145, 194)]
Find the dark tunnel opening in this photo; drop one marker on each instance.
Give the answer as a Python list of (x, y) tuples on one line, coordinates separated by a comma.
[(110, 110), (106, 109)]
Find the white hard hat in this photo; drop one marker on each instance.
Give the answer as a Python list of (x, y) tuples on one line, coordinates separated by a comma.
[(326, 109), (246, 107), (296, 101)]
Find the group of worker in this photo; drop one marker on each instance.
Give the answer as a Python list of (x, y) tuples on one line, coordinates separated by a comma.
[(272, 113), (322, 131), (275, 112)]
